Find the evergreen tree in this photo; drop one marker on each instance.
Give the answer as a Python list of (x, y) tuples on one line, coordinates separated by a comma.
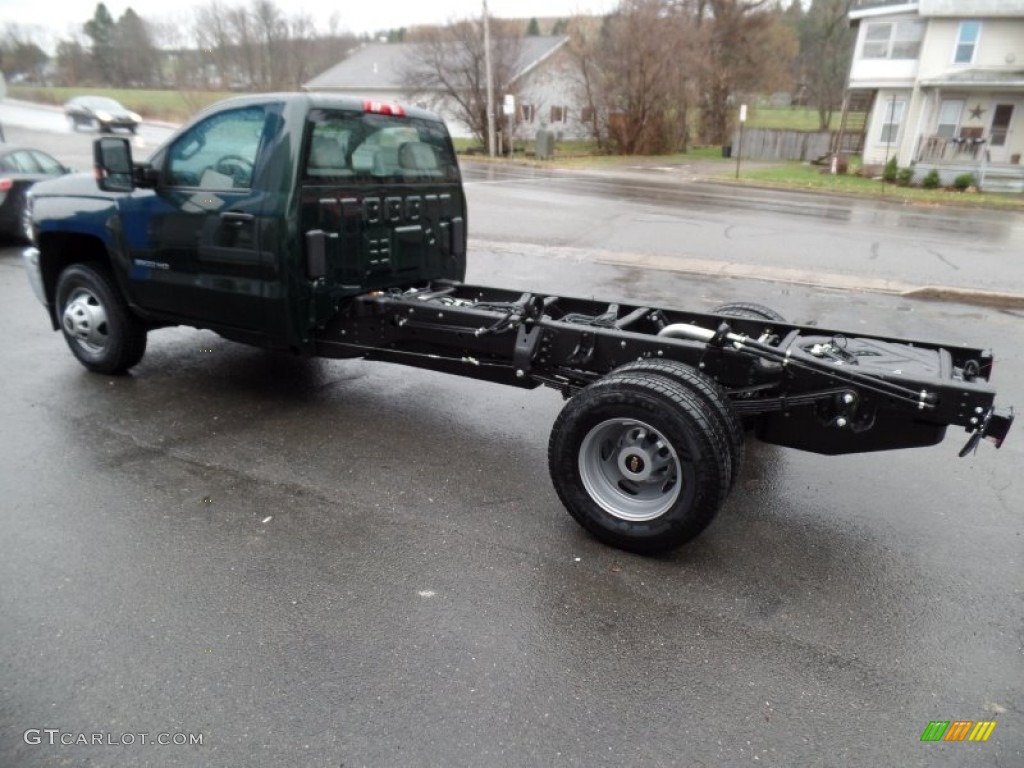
[(102, 30), (136, 54)]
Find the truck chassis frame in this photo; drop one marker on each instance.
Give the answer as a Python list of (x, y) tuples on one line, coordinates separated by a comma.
[(799, 386)]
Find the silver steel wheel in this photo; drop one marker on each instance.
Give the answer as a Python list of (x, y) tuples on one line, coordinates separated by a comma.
[(630, 470), (85, 321)]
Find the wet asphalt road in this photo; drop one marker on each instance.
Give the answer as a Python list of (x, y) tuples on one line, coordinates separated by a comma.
[(322, 563), (318, 563), (661, 215)]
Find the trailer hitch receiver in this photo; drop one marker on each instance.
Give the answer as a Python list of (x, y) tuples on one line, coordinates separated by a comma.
[(993, 425)]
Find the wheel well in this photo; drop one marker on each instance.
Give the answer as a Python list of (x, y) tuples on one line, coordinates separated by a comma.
[(60, 250)]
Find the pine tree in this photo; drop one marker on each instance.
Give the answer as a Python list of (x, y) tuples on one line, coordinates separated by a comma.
[(102, 30)]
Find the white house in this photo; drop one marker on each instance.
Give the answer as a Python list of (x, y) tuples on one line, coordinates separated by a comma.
[(947, 82), (543, 81)]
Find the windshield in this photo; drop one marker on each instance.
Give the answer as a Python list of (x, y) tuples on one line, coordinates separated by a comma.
[(99, 102), (356, 144)]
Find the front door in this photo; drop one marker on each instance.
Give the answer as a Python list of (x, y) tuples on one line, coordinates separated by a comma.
[(210, 206), (1000, 134)]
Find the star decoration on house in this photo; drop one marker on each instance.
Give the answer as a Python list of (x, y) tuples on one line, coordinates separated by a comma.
[(977, 112)]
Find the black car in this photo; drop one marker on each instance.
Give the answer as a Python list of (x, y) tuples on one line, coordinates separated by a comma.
[(106, 114), (20, 168)]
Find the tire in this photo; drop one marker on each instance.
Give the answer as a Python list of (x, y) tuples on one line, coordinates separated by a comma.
[(748, 310), (712, 395), (639, 462), (97, 324)]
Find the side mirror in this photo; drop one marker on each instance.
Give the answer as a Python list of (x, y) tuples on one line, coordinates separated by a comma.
[(112, 159)]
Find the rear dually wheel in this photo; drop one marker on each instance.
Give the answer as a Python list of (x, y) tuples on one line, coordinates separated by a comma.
[(639, 462)]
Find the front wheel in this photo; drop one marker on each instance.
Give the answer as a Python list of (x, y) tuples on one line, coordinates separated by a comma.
[(639, 462), (98, 325)]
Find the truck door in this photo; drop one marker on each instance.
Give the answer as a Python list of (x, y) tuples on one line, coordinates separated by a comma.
[(212, 207)]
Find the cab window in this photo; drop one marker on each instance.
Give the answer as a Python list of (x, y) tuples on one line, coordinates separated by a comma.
[(219, 152), (366, 146)]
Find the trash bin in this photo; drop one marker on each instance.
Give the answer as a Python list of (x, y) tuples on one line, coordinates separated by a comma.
[(727, 150), (544, 148)]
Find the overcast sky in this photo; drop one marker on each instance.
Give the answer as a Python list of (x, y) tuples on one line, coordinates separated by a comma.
[(57, 17)]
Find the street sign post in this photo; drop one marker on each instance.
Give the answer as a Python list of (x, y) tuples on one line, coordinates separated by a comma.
[(739, 142)]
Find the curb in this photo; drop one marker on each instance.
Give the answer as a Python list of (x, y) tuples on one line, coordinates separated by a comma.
[(993, 299)]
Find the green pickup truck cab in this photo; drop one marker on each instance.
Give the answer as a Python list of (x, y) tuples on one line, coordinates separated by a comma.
[(238, 224)]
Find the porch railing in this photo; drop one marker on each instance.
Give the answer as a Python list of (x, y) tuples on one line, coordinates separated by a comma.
[(940, 149)]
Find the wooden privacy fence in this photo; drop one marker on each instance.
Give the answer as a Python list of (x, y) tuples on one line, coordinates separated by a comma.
[(776, 144)]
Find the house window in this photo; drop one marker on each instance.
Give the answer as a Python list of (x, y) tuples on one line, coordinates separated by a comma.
[(587, 115), (526, 113), (891, 121), (949, 117), (892, 40), (559, 114), (967, 42)]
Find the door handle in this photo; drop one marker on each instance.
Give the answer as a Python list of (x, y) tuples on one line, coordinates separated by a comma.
[(236, 218)]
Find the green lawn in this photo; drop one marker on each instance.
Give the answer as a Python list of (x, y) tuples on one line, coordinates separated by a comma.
[(153, 104), (788, 118), (803, 176)]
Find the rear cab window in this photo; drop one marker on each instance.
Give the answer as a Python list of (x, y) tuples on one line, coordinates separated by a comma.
[(346, 146)]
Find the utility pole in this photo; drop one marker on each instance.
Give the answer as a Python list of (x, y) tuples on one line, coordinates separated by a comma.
[(490, 81)]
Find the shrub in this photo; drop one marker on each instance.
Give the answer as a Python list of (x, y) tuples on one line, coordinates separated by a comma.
[(905, 176), (963, 181), (931, 180), (890, 171)]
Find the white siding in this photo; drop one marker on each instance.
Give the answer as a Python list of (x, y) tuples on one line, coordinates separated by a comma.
[(876, 151), (552, 85), (876, 73), (969, 8), (1000, 44), (871, 72)]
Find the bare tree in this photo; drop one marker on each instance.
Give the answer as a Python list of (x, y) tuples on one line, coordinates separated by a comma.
[(20, 54), (746, 49), (636, 76), (74, 64), (826, 47), (445, 66), (272, 33), (181, 65)]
